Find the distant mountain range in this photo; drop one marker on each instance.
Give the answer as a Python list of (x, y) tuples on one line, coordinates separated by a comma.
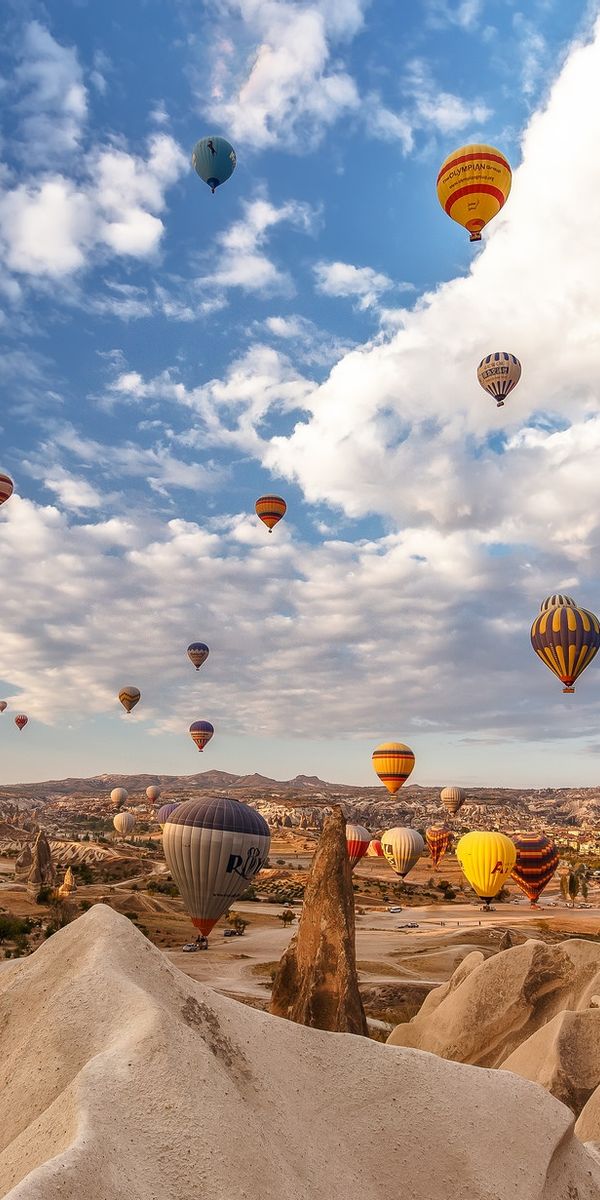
[(203, 781)]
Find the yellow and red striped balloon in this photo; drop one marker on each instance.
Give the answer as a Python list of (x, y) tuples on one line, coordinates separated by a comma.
[(566, 639), (270, 509), (537, 860), (393, 763), (375, 849), (438, 840), (473, 185)]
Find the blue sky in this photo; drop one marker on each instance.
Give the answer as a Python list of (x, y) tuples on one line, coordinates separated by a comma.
[(313, 329)]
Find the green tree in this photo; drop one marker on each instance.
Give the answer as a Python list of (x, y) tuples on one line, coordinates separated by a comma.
[(574, 883), (238, 923), (287, 916)]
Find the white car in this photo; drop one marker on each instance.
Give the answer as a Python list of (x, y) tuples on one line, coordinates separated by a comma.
[(395, 908)]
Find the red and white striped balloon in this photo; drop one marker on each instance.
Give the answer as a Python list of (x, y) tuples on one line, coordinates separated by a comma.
[(357, 843)]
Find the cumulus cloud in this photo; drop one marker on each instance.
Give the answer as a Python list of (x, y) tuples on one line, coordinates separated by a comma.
[(295, 89), (52, 99), (49, 227), (343, 279), (240, 260)]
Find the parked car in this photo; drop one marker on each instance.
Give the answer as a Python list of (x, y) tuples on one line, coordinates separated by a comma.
[(232, 932), (395, 908), (190, 947)]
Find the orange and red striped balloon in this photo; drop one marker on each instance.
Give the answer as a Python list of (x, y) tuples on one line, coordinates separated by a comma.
[(438, 840), (270, 509)]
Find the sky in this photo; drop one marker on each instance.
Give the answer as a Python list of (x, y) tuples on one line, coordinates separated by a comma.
[(312, 329)]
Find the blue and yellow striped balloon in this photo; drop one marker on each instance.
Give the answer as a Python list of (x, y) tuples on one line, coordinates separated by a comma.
[(566, 639)]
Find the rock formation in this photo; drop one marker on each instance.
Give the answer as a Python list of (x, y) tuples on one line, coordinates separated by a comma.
[(42, 873), (23, 862), (98, 1029), (316, 982), (68, 884), (564, 1056), (489, 1007)]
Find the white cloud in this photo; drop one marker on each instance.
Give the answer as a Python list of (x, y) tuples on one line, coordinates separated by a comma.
[(52, 100), (342, 279), (50, 227), (292, 91), (466, 14), (437, 109), (240, 261)]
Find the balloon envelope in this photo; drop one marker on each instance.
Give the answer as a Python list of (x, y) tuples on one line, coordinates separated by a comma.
[(357, 843), (201, 733), (165, 811), (498, 374), (486, 859), (3, 705), (557, 599), (124, 823), (214, 847), (21, 721), (566, 639), (393, 763), (214, 160), (6, 488), (153, 793), (374, 849), (537, 860), (119, 796), (129, 697), (473, 185), (270, 509), (438, 840), (197, 653), (453, 799), (402, 847)]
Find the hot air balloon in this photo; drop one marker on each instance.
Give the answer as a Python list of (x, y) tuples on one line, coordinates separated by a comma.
[(393, 762), (374, 849), (452, 798), (153, 793), (555, 600), (473, 185), (498, 374), (438, 840), (270, 509), (3, 706), (119, 796), (21, 721), (6, 488), (486, 859), (566, 639), (537, 860), (214, 847), (124, 823), (197, 653), (129, 697), (357, 843), (214, 160), (164, 813), (201, 733), (402, 847)]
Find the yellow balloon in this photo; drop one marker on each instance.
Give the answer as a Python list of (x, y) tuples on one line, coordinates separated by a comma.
[(486, 859), (473, 185)]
